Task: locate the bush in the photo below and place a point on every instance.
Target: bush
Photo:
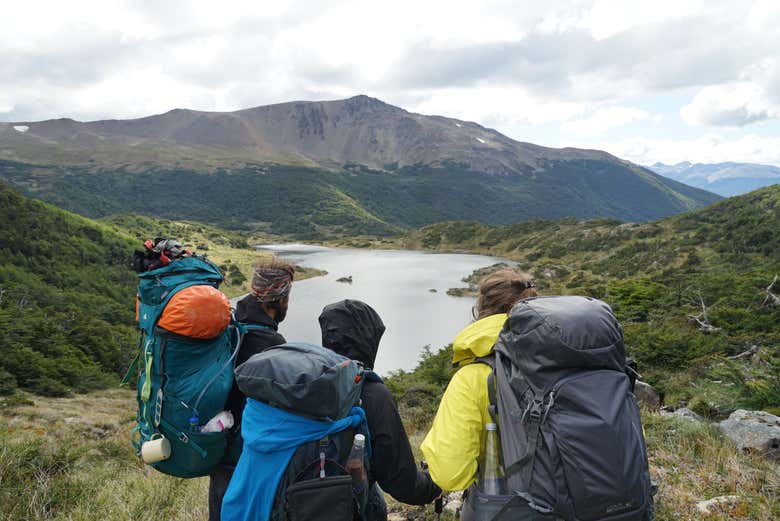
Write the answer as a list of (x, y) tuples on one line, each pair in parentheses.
[(7, 383), (701, 407)]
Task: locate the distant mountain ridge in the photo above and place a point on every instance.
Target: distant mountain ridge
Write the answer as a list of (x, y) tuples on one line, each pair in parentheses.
[(315, 169), (360, 130), (726, 179)]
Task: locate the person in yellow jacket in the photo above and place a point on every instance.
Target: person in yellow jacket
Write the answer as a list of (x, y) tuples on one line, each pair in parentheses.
[(453, 446)]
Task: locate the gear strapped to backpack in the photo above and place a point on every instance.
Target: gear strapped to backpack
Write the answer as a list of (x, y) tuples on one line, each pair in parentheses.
[(186, 354), (298, 429), (569, 426)]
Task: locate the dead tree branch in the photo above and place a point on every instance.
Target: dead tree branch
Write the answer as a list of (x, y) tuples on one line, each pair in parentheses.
[(745, 354), (771, 299), (701, 319)]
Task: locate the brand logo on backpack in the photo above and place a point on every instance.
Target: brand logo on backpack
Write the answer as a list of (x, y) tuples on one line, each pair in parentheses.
[(620, 507)]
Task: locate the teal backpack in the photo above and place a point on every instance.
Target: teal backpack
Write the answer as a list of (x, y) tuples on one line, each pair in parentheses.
[(183, 382)]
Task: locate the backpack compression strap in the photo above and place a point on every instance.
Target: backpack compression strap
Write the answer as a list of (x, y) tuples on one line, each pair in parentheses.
[(534, 413)]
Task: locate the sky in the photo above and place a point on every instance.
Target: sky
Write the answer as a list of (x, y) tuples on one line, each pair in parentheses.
[(667, 80)]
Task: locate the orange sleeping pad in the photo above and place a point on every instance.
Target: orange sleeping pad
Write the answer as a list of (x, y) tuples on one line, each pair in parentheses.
[(196, 312)]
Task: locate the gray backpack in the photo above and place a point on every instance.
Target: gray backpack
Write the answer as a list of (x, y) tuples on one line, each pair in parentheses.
[(569, 426)]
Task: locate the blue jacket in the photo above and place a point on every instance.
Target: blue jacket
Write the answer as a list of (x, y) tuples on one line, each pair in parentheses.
[(270, 439)]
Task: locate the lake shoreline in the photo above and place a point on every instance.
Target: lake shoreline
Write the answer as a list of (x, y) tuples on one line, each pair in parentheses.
[(410, 289)]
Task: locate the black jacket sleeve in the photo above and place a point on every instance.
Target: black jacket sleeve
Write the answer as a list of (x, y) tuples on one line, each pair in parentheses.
[(392, 461)]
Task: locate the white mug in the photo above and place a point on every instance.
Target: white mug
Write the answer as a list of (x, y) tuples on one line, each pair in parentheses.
[(158, 448)]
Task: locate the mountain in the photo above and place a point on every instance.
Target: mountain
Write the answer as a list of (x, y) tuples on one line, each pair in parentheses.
[(726, 179), (65, 285), (360, 130), (315, 169)]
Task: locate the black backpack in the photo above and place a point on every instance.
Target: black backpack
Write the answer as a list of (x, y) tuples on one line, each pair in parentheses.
[(569, 426)]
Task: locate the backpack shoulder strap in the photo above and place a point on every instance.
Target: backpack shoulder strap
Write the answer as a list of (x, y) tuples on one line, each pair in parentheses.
[(490, 361), (246, 327)]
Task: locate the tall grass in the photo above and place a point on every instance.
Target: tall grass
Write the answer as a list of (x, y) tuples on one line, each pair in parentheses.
[(72, 459)]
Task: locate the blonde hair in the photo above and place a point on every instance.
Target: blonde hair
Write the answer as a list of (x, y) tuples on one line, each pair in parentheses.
[(499, 291)]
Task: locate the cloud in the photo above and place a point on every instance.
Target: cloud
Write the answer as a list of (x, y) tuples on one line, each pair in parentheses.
[(574, 69), (604, 119), (709, 148), (756, 97), (496, 106), (231, 54), (733, 105)]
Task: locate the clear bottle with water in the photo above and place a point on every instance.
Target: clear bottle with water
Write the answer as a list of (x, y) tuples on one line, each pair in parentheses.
[(492, 480), (355, 465)]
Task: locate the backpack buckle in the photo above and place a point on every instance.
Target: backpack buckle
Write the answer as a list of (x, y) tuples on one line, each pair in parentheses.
[(323, 447), (533, 411)]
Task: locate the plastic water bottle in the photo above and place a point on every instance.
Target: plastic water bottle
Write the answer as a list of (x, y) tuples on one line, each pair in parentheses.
[(194, 423), (222, 421), (492, 480), (355, 464)]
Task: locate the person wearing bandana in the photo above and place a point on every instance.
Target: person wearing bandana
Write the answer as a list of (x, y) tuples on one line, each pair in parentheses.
[(265, 306)]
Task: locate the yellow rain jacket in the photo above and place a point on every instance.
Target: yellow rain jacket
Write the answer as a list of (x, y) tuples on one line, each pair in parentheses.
[(455, 441)]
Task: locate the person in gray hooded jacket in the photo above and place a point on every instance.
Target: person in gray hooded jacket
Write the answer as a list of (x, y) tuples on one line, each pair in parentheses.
[(353, 329)]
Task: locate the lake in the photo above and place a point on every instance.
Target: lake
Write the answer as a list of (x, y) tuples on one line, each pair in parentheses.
[(396, 283)]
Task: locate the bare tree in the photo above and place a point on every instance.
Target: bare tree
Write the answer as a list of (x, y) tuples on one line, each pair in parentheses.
[(771, 299), (701, 319)]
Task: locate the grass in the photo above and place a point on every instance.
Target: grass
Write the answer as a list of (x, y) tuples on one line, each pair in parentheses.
[(692, 462), (71, 459)]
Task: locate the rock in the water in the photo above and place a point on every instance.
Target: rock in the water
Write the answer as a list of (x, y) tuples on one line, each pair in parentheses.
[(647, 395), (712, 505), (461, 292), (347, 280), (754, 431)]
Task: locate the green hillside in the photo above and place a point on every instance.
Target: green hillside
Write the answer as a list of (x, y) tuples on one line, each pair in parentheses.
[(656, 276), (314, 203), (65, 321)]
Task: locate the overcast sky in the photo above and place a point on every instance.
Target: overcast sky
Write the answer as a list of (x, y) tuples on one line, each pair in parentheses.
[(647, 80)]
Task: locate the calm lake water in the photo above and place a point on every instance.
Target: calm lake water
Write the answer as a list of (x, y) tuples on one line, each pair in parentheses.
[(396, 283)]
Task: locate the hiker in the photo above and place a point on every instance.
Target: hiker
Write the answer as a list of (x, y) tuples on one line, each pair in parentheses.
[(452, 447), (540, 423), (353, 329), (265, 306)]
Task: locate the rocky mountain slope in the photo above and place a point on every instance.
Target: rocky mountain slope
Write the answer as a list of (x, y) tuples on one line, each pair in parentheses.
[(321, 168), (360, 130)]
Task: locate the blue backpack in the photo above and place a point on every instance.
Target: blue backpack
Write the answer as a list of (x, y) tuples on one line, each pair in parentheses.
[(183, 382)]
